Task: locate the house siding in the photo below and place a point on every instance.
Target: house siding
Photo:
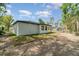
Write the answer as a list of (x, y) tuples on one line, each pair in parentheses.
[(14, 29), (25, 29)]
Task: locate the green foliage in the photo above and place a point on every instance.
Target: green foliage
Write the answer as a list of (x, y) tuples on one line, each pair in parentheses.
[(7, 20), (41, 21), (1, 30), (2, 9), (70, 16)]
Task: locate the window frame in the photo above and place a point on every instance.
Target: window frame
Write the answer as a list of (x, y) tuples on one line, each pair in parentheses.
[(42, 27)]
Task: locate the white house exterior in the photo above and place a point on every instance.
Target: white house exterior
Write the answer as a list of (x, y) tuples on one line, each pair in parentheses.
[(27, 28)]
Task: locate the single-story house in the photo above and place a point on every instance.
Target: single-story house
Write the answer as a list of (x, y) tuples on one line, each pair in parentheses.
[(28, 27)]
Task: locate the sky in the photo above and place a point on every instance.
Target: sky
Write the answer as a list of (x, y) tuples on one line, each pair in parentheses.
[(34, 11)]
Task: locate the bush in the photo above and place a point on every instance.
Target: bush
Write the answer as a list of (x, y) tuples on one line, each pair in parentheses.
[(1, 32), (11, 34)]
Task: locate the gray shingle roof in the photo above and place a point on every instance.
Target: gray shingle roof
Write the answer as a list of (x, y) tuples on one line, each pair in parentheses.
[(30, 22)]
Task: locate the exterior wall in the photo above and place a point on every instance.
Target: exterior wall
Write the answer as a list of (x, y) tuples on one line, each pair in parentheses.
[(14, 29), (25, 29), (45, 31)]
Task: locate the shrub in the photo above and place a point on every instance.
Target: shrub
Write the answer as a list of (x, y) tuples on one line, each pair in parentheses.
[(1, 32), (11, 34)]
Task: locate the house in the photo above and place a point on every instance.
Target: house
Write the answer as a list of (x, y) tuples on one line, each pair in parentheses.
[(28, 27)]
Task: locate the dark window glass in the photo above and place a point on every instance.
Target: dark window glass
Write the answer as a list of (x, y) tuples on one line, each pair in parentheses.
[(42, 27), (45, 27)]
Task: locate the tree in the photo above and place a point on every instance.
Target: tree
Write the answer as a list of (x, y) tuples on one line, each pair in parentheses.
[(70, 16), (41, 21), (7, 20), (2, 12), (2, 8)]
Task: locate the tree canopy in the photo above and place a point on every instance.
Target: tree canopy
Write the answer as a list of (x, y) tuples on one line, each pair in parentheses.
[(41, 21), (70, 16), (2, 11), (5, 20)]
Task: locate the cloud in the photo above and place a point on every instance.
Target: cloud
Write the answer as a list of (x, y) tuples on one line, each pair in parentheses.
[(54, 5), (8, 12), (49, 7), (57, 5), (25, 13), (43, 13), (9, 6)]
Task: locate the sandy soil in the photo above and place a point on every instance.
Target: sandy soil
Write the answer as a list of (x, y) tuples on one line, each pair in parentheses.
[(71, 37), (63, 44)]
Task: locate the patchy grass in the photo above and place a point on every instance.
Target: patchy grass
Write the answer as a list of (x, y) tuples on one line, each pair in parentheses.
[(44, 36), (10, 34), (40, 36), (29, 45), (18, 40), (21, 39)]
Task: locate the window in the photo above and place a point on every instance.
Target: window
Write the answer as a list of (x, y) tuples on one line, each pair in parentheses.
[(48, 28), (42, 27), (45, 27)]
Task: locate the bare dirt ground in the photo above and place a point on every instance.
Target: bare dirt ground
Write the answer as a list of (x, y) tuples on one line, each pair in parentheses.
[(61, 44)]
